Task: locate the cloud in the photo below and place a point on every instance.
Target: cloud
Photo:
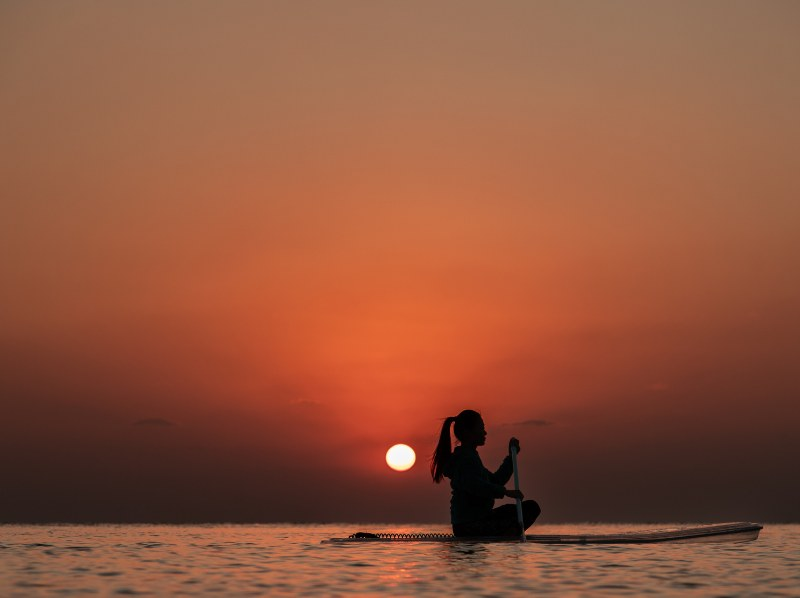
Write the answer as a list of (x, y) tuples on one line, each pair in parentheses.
[(304, 402), (535, 423), (154, 422)]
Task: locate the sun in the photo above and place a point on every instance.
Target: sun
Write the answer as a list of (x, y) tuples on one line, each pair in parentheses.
[(401, 457)]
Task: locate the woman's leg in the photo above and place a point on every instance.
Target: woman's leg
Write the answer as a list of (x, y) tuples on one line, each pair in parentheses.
[(502, 521), (530, 512), (505, 517)]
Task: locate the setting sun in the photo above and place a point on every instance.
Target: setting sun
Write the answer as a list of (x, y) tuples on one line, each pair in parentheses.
[(401, 457)]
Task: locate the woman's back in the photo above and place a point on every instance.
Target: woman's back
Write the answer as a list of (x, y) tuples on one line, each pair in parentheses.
[(474, 488)]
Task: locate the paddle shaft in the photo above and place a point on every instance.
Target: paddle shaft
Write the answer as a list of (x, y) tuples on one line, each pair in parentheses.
[(516, 487)]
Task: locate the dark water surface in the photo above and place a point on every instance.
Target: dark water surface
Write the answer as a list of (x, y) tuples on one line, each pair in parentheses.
[(241, 560)]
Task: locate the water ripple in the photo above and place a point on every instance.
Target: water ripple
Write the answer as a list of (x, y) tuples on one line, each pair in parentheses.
[(284, 559)]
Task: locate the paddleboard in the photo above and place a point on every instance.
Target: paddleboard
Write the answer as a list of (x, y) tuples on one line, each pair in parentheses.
[(719, 532)]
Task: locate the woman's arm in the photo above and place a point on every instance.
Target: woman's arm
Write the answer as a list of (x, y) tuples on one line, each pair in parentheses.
[(506, 469), (503, 473), (473, 478)]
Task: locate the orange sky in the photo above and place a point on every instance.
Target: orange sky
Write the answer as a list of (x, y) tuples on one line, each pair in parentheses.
[(301, 232)]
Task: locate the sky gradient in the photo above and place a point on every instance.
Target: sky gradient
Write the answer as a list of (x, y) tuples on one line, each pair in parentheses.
[(248, 246)]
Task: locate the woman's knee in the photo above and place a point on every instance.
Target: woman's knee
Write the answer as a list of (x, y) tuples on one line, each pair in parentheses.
[(531, 508)]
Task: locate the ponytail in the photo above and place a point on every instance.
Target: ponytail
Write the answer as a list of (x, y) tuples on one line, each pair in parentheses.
[(443, 451), (464, 421)]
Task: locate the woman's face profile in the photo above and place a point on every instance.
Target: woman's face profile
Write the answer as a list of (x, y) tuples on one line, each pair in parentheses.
[(476, 435)]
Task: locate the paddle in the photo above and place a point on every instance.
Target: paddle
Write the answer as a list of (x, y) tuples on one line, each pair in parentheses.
[(516, 487)]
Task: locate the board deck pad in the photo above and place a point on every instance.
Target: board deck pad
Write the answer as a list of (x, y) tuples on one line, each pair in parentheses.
[(718, 532)]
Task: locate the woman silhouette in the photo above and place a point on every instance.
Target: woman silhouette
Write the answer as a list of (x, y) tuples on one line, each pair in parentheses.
[(474, 488)]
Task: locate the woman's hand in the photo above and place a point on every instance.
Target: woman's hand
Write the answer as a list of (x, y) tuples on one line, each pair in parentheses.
[(513, 442), (514, 494)]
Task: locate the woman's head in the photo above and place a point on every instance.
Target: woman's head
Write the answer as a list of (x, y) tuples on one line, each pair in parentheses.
[(468, 428)]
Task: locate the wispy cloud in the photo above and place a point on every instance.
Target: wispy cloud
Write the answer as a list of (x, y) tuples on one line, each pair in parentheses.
[(154, 422), (533, 423), (304, 402)]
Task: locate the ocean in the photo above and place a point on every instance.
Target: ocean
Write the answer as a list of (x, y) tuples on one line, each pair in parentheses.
[(254, 560)]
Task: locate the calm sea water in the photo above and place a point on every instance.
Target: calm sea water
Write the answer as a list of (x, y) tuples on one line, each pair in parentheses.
[(289, 559)]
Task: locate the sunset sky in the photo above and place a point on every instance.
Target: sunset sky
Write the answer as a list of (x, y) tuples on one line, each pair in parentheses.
[(248, 246)]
